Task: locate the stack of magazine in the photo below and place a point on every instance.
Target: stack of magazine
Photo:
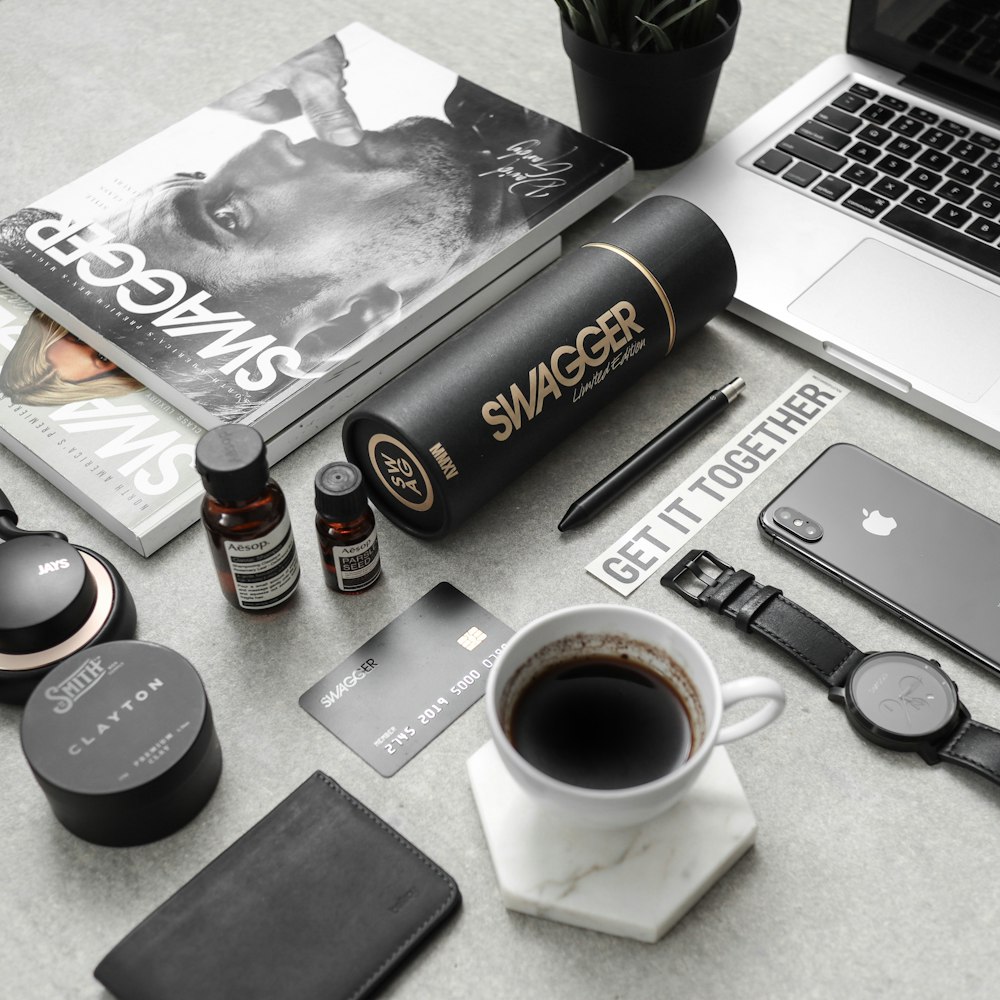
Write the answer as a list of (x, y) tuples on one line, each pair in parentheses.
[(271, 260)]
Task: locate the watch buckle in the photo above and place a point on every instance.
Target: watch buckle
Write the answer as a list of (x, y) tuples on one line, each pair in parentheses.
[(695, 573)]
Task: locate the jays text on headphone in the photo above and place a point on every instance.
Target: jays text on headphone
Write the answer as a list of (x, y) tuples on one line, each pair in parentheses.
[(55, 598)]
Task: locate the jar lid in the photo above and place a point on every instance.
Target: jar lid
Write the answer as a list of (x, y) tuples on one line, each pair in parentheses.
[(340, 492), (232, 462), (121, 740)]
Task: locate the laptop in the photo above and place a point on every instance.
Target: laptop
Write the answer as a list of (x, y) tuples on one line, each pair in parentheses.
[(863, 207)]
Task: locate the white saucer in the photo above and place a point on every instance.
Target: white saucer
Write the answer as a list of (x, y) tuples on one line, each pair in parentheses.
[(635, 883)]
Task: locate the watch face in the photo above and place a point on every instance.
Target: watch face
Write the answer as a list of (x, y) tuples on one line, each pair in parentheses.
[(902, 694)]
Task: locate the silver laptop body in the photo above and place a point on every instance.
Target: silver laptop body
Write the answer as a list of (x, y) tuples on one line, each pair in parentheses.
[(871, 294)]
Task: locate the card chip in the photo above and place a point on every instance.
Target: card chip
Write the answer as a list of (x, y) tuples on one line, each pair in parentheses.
[(472, 638)]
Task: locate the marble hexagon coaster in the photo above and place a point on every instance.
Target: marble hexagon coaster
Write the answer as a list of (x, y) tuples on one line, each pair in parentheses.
[(635, 883)]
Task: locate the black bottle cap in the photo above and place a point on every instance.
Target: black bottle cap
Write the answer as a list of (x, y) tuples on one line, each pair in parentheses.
[(340, 492), (232, 462)]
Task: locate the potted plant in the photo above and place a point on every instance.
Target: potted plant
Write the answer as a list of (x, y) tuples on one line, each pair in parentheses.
[(645, 71)]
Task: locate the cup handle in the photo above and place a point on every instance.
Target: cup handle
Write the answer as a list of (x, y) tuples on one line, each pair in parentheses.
[(743, 689)]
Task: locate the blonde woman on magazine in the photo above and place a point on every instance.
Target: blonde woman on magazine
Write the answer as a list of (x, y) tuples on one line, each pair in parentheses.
[(48, 366)]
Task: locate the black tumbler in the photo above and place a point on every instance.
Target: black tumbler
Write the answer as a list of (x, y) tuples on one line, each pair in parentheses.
[(450, 432)]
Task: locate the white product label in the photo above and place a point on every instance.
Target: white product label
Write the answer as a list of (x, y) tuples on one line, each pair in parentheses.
[(357, 566), (266, 569)]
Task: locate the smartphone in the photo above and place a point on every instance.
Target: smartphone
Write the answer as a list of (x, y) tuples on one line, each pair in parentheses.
[(913, 550)]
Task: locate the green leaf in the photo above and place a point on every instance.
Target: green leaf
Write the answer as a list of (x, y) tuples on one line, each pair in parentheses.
[(660, 38)]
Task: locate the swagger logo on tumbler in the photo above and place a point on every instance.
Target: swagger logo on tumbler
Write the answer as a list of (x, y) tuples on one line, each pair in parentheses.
[(400, 472), (605, 346)]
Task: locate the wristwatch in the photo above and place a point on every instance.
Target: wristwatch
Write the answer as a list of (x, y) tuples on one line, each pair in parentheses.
[(900, 701)]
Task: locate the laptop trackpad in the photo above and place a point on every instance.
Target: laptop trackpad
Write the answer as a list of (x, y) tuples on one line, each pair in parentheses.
[(920, 319)]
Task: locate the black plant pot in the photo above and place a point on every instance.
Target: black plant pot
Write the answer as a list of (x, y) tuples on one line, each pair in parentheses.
[(653, 105)]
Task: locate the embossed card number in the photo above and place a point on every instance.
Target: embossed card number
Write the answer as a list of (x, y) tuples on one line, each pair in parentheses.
[(409, 682)]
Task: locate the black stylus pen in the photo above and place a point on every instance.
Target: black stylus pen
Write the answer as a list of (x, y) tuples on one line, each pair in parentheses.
[(650, 455)]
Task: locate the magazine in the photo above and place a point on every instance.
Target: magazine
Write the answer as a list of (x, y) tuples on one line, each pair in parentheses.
[(126, 456), (254, 258)]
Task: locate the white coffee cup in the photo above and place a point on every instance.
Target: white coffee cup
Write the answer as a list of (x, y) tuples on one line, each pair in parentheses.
[(655, 644)]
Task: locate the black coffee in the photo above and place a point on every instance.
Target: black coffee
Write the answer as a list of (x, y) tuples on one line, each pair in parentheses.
[(601, 722)]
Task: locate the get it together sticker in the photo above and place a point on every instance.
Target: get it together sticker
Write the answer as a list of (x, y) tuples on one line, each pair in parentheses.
[(670, 525)]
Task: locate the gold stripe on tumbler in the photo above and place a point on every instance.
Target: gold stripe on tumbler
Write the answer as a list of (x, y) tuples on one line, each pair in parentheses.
[(651, 278)]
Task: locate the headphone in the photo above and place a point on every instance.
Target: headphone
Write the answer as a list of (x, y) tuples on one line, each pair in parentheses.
[(55, 598)]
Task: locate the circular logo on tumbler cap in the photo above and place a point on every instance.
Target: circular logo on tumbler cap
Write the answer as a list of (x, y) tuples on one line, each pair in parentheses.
[(400, 472)]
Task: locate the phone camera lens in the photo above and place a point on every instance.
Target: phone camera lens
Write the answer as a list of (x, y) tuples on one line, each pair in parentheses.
[(798, 524)]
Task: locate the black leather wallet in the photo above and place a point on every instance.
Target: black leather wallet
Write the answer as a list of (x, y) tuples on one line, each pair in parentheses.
[(321, 900)]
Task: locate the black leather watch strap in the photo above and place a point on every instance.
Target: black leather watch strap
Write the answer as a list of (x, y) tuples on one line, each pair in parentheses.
[(975, 746), (707, 582)]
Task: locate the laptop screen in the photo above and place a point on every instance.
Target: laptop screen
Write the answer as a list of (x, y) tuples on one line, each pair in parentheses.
[(952, 44)]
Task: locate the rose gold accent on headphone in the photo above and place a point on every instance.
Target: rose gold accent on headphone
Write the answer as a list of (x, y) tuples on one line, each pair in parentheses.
[(83, 635), (651, 278)]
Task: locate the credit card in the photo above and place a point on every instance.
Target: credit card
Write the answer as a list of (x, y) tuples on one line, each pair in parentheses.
[(409, 682)]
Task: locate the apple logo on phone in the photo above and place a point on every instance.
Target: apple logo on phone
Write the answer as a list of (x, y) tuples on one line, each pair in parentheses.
[(876, 523)]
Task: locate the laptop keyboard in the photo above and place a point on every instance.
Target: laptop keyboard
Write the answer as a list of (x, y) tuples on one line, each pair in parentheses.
[(901, 166)]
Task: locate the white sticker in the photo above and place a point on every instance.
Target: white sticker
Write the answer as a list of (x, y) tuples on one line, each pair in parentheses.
[(266, 569), (357, 566), (669, 526)]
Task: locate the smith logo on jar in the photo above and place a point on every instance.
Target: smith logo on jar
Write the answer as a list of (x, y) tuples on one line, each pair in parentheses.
[(603, 346)]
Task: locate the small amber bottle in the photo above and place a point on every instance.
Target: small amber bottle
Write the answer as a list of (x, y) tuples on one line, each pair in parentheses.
[(345, 524), (246, 519)]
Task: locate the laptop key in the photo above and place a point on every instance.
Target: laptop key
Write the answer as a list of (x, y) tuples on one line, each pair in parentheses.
[(818, 156), (907, 126), (823, 134), (943, 238), (894, 165), (849, 102), (937, 139), (955, 128), (923, 115), (964, 172), (773, 161), (893, 102), (925, 179), (990, 184), (863, 152), (967, 151), (985, 204), (860, 88), (902, 146), (991, 163), (874, 134), (953, 215), (831, 187), (866, 203), (984, 229), (837, 119), (801, 174), (987, 141), (934, 159), (878, 115), (921, 201), (858, 174), (890, 187), (954, 192)]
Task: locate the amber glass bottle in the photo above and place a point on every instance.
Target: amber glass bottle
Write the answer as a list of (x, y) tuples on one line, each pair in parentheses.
[(345, 524), (246, 519)]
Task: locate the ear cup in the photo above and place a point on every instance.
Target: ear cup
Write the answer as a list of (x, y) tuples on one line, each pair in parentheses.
[(55, 599)]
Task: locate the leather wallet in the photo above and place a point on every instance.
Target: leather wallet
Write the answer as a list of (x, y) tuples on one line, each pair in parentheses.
[(321, 900)]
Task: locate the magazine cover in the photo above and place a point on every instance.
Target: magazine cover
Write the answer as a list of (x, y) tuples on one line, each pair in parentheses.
[(251, 259), (116, 448)]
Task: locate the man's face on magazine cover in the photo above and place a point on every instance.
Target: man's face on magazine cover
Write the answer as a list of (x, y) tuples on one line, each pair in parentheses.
[(310, 228)]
